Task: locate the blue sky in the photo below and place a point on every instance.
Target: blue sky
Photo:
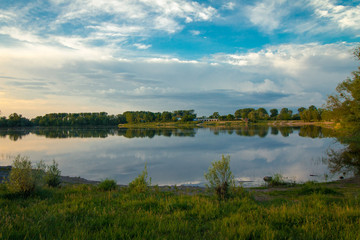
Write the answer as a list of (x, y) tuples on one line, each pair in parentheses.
[(164, 55)]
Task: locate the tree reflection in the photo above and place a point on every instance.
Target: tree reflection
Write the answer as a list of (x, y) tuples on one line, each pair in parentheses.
[(150, 133), (246, 131), (286, 131), (346, 160)]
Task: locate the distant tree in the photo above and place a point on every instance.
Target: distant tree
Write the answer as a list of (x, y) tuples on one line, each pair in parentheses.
[(311, 114), (273, 113), (262, 114), (166, 116), (253, 116), (243, 113), (301, 109), (222, 118), (285, 114), (215, 115), (230, 117)]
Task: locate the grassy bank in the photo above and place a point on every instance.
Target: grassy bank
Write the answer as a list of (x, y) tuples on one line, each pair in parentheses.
[(309, 211)]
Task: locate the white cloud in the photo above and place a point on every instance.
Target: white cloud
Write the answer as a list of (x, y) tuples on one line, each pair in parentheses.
[(267, 14), (7, 15), (195, 32), (160, 15), (142, 46), (169, 60), (292, 59), (262, 87), (20, 34), (143, 90), (343, 16), (229, 6)]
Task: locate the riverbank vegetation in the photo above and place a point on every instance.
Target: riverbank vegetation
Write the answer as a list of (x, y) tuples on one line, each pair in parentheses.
[(308, 211), (141, 211)]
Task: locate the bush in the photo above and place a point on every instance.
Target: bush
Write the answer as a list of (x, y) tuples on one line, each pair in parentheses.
[(21, 178), (52, 175), (24, 179), (220, 178), (107, 185), (277, 180), (141, 183)]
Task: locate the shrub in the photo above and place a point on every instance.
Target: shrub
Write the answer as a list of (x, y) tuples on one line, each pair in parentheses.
[(21, 178), (53, 175), (24, 179), (277, 180), (220, 177), (141, 183), (107, 185)]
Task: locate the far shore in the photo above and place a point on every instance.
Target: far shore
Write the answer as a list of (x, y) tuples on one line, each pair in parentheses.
[(237, 123)]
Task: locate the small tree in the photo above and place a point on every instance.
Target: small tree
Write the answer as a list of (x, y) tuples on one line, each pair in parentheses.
[(141, 183), (21, 178), (220, 177), (52, 175)]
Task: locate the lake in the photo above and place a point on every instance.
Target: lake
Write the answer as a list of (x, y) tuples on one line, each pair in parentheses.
[(177, 156)]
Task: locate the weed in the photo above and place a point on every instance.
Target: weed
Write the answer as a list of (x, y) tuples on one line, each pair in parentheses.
[(107, 185), (141, 183), (52, 175)]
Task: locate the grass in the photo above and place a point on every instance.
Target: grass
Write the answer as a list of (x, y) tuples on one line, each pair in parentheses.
[(308, 211)]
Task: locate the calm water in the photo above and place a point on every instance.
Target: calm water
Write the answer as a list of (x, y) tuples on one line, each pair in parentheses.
[(176, 156)]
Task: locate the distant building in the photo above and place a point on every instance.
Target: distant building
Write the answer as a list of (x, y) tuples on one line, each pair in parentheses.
[(210, 120)]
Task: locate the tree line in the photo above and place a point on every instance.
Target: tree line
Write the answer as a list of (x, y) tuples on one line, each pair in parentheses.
[(97, 118), (135, 117), (311, 114)]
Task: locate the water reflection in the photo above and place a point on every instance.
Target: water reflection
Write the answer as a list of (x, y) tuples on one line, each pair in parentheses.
[(345, 161), (246, 131), (174, 155)]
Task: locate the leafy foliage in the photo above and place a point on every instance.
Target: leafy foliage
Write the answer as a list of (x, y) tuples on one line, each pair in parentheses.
[(24, 178), (52, 175), (345, 105), (21, 178), (107, 185), (277, 180), (220, 177), (141, 183)]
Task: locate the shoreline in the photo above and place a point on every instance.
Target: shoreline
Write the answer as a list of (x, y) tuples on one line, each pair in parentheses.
[(69, 180)]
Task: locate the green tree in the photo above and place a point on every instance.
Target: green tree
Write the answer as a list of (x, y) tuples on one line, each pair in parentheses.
[(345, 104), (230, 117), (273, 113), (253, 116), (285, 114), (166, 116), (220, 177), (215, 115), (262, 114)]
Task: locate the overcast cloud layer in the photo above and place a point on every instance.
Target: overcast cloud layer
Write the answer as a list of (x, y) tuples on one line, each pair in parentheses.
[(157, 55)]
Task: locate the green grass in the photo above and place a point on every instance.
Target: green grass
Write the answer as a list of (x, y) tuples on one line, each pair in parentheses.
[(85, 212)]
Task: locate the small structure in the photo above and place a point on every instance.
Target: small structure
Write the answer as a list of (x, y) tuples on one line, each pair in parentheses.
[(210, 120)]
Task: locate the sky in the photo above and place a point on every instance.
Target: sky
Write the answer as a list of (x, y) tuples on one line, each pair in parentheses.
[(165, 55)]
